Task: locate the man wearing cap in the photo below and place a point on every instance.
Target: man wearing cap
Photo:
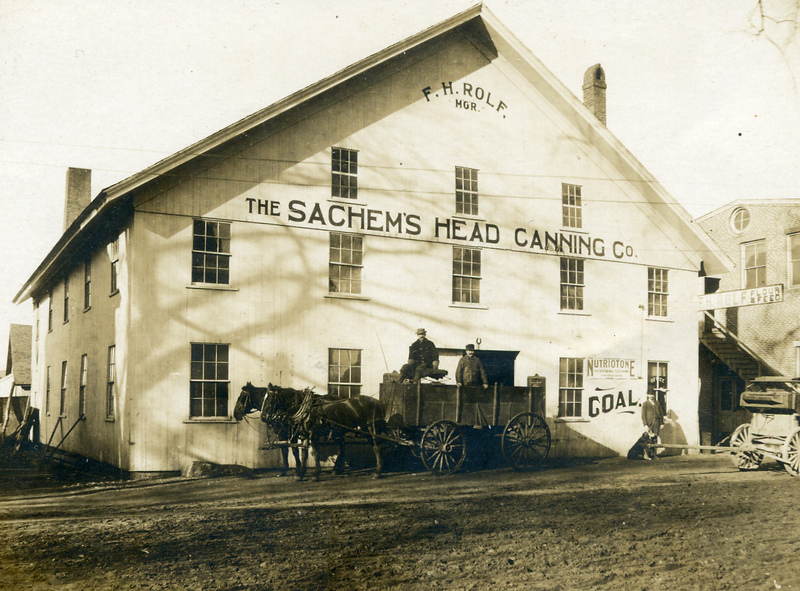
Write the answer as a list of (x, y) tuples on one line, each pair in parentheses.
[(470, 370), (652, 419), (422, 358)]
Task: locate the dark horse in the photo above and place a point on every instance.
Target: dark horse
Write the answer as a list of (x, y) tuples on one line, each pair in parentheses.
[(301, 417)]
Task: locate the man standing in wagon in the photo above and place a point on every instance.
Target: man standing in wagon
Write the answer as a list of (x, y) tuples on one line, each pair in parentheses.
[(470, 370)]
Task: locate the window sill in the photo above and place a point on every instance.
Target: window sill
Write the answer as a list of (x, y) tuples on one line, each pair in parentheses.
[(212, 287), (210, 420), (110, 420), (469, 306), (86, 309), (469, 216), (574, 313), (570, 420), (574, 230), (659, 319), (346, 296), (113, 293), (347, 200)]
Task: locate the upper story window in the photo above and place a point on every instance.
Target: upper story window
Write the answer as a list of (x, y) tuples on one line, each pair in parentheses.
[(82, 388), (571, 206), (66, 299), (466, 190), (466, 275), (87, 284), (754, 264), (209, 381), (47, 391), (657, 291), (570, 387), (111, 380), (344, 173), (344, 372), (62, 407), (794, 259), (50, 311), (113, 251), (346, 258), (740, 219), (211, 252), (572, 283)]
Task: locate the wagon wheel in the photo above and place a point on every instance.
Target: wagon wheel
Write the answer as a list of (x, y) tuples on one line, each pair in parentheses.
[(791, 453), (526, 441), (744, 460), (443, 447)]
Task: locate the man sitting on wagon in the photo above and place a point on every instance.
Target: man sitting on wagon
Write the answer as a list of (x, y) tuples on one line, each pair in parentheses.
[(423, 359)]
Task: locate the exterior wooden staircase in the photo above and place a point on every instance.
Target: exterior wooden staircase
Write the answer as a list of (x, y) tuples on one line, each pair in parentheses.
[(746, 361)]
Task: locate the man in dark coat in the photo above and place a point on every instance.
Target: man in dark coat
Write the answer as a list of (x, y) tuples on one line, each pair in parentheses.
[(652, 419), (422, 358), (470, 370)]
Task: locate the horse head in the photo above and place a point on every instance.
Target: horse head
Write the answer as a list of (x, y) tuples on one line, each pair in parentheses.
[(247, 402)]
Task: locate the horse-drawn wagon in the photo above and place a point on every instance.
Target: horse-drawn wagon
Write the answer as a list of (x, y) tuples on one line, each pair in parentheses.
[(774, 429), (444, 424)]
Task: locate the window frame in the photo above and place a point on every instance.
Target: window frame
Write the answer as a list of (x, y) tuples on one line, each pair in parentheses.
[(761, 279), (47, 391), (465, 279), (793, 269), (87, 284), (658, 374), (50, 311), (466, 191), (572, 284), (344, 173), (82, 385), (223, 238), (571, 372), (345, 388), (740, 219), (571, 206), (62, 406), (111, 380), (113, 254), (199, 366), (657, 292), (342, 272), (66, 299)]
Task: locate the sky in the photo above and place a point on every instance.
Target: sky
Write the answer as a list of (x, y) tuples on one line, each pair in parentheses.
[(707, 105)]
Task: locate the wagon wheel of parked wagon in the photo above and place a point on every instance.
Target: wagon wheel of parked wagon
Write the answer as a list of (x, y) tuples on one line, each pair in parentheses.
[(744, 460), (443, 447), (791, 453), (526, 441)]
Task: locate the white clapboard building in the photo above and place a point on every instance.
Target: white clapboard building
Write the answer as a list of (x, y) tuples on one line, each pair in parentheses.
[(449, 182)]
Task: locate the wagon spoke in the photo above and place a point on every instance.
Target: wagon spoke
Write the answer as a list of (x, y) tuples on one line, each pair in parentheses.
[(443, 448), (526, 441)]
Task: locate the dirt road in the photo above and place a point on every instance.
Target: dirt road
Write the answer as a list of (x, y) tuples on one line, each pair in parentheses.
[(687, 522)]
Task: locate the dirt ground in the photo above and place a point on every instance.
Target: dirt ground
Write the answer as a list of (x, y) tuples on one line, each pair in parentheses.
[(686, 522)]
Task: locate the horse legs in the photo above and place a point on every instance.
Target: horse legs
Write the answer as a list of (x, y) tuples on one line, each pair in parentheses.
[(338, 465), (285, 457), (301, 459), (317, 467)]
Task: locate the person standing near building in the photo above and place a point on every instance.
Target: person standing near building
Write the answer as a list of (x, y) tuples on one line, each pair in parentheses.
[(470, 370), (652, 419), (422, 358)]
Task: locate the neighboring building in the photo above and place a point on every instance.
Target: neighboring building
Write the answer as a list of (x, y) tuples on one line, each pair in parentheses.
[(752, 314), (15, 385), (449, 182)]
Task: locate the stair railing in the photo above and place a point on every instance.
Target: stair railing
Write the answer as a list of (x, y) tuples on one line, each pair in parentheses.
[(759, 356)]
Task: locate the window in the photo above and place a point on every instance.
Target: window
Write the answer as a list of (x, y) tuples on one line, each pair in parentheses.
[(344, 173), (82, 390), (344, 372), (571, 207), (740, 219), (571, 283), (344, 269), (466, 275), (211, 252), (657, 291), (50, 311), (66, 299), (466, 190), (113, 251), (110, 381), (754, 264), (87, 284), (208, 388), (63, 403), (657, 377), (47, 391), (794, 260), (570, 387)]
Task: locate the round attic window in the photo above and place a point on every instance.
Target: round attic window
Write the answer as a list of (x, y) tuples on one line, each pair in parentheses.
[(740, 219)]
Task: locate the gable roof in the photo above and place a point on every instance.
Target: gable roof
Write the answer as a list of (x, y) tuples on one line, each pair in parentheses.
[(481, 24), (748, 203), (18, 361)]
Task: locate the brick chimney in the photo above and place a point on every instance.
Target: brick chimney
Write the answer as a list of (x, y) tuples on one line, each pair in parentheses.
[(594, 91), (79, 194)]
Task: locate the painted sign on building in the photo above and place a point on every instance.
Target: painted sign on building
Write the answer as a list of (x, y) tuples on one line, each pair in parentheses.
[(768, 294), (610, 369)]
